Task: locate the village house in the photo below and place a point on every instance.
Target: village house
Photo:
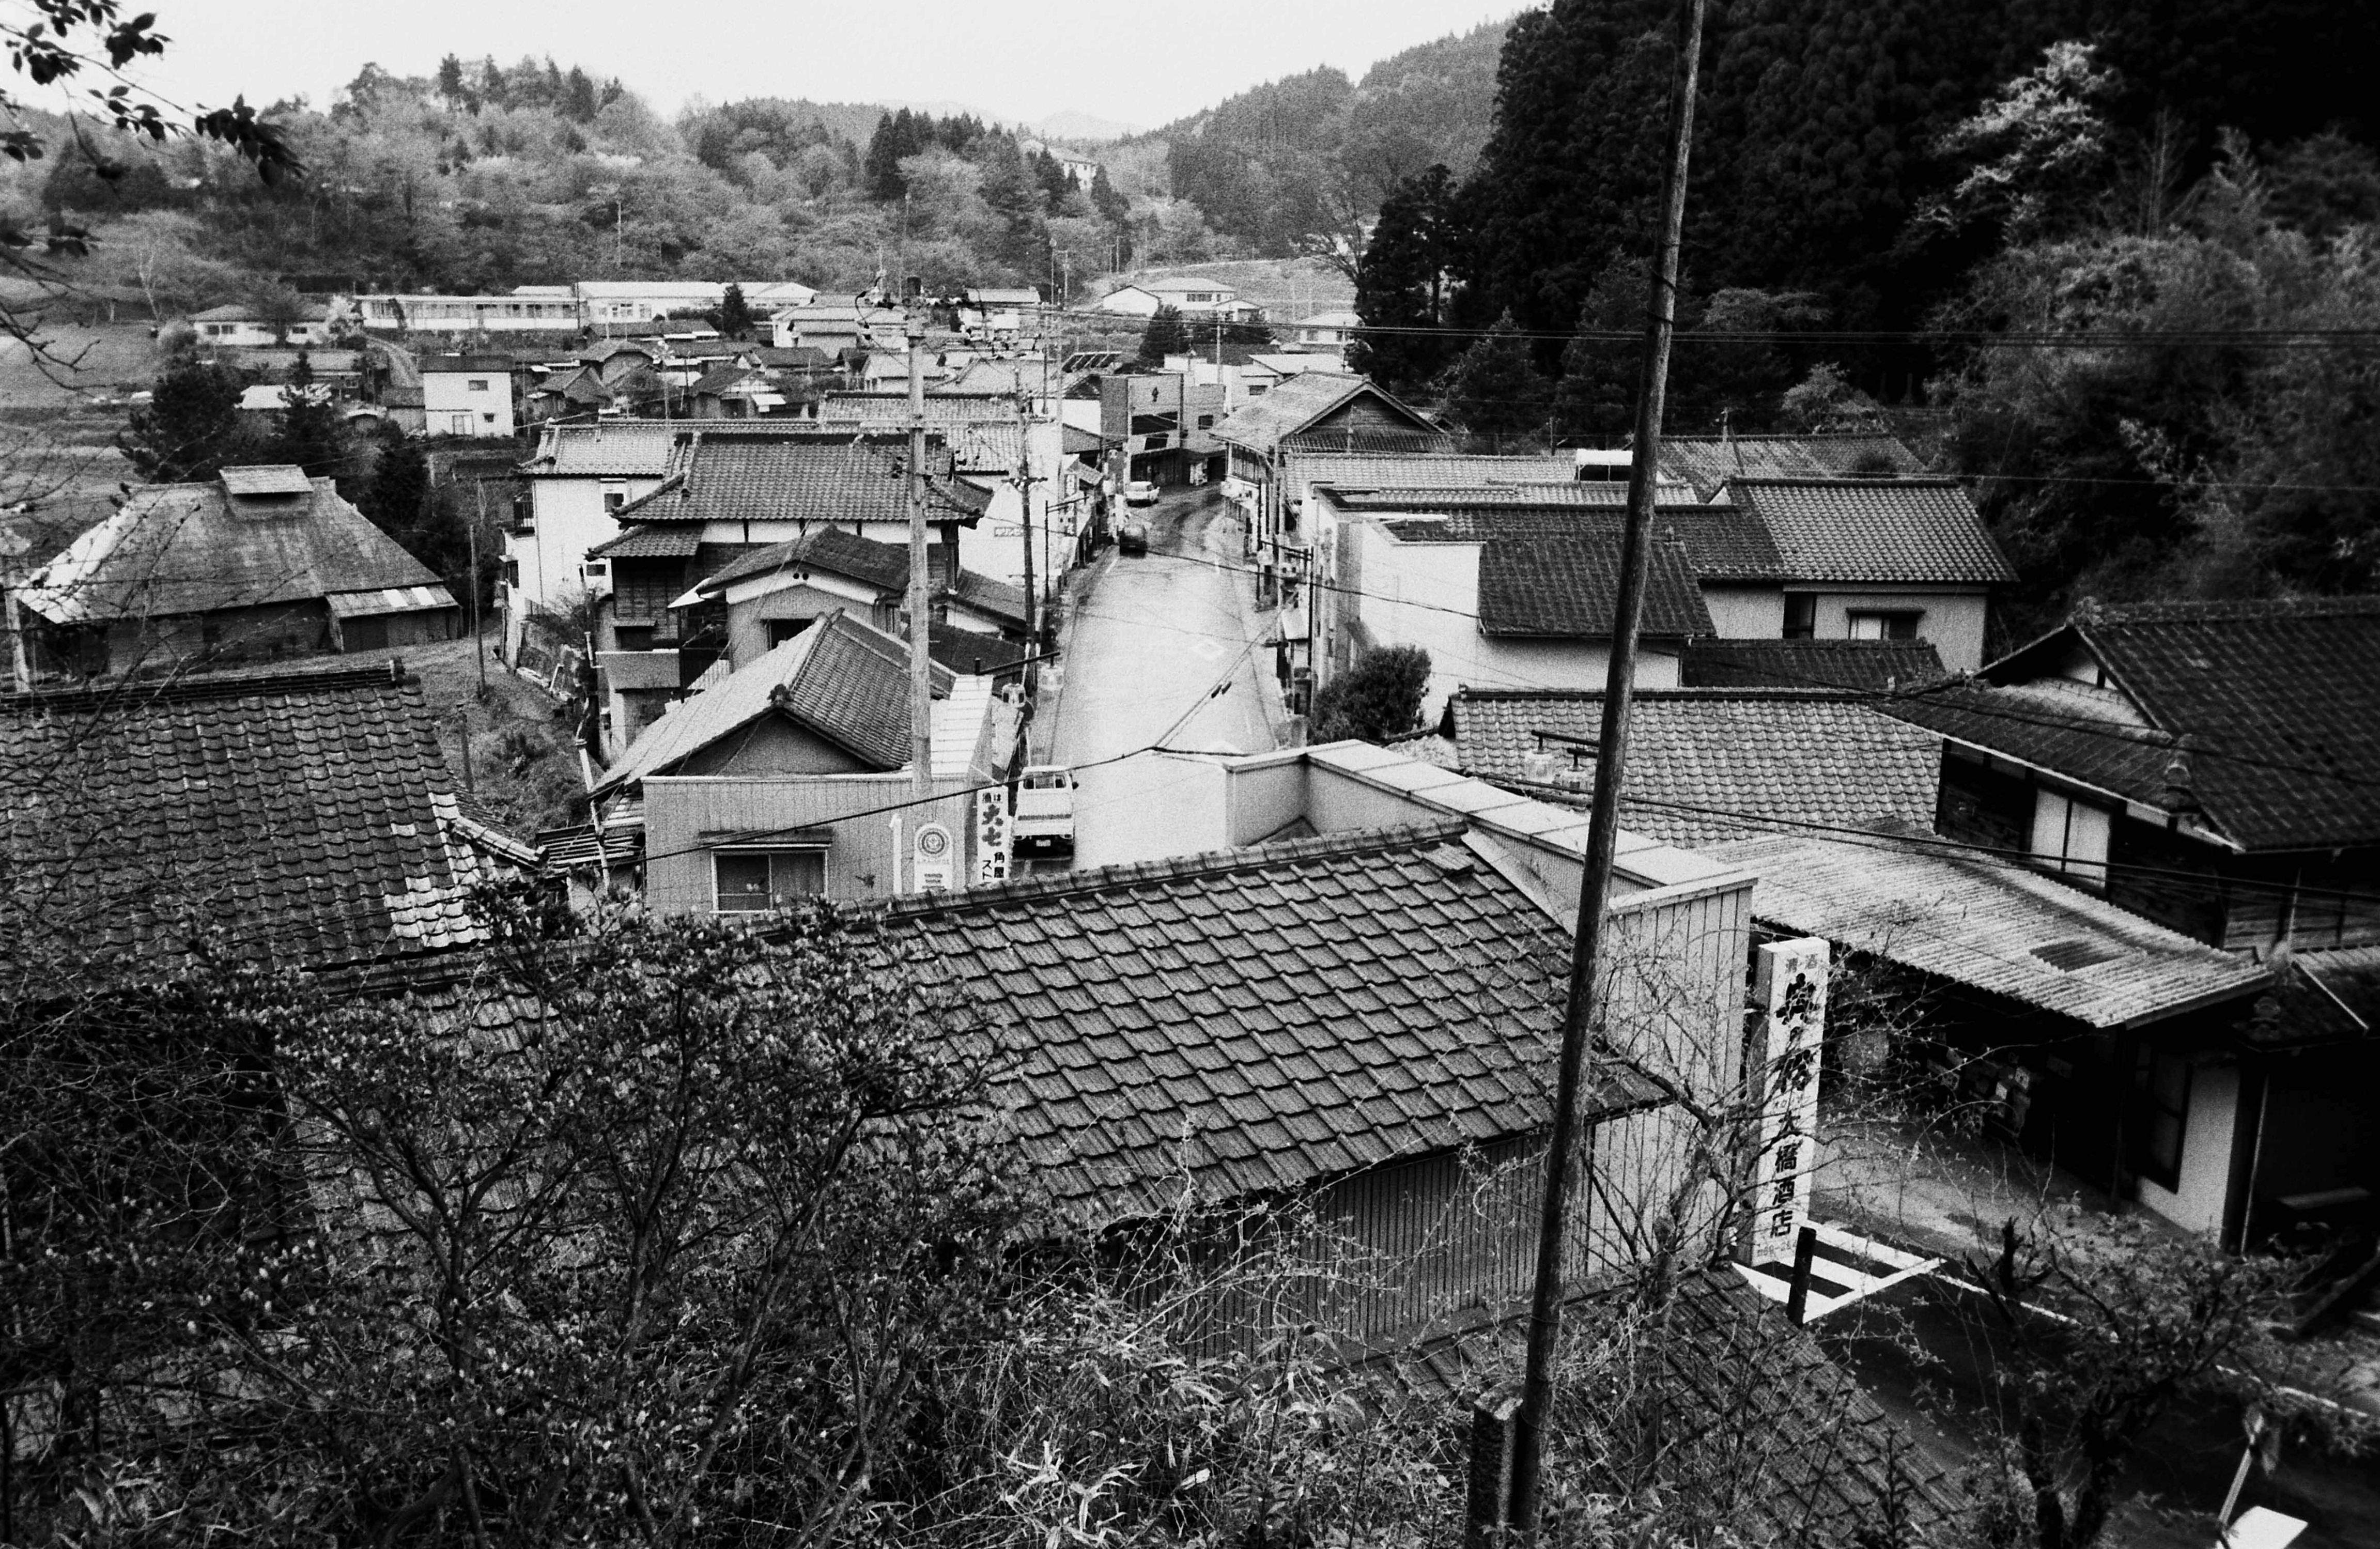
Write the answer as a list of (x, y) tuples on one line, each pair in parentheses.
[(771, 594), (1873, 559), (468, 395), (768, 783), (1011, 454), (259, 564), (1331, 330), (1507, 587), (1312, 411), (577, 479), (727, 488), (1190, 295), (307, 814), (1002, 314), (837, 326), (2201, 763), (1164, 424), (1875, 666), (239, 325)]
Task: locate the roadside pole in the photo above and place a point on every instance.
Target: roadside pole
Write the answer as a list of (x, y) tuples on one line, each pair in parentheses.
[(1025, 483), (1611, 763), (921, 692), (478, 637)]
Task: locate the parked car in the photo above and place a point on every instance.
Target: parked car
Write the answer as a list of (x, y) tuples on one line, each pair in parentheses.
[(1132, 538), (1140, 492), (1044, 823)]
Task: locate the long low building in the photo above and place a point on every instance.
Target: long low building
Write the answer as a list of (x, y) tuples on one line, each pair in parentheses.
[(565, 308)]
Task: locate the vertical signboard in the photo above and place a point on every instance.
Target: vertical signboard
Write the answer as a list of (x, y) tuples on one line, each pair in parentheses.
[(1790, 990), (994, 843), (937, 860)]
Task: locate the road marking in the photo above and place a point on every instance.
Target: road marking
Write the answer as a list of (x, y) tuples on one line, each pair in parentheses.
[(1207, 651)]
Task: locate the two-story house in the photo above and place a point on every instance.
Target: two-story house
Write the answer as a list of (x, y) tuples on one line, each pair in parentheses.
[(468, 395), (729, 488), (578, 479), (1313, 411)]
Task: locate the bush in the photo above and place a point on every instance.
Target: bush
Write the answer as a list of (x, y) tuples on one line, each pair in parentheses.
[(1377, 698)]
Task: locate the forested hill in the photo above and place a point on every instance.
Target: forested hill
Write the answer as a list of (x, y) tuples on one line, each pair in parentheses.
[(1315, 153), (1881, 190)]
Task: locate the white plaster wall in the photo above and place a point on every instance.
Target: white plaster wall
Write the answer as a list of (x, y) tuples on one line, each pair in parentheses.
[(446, 393), (1953, 620), (2196, 1203), (1746, 612), (570, 519)]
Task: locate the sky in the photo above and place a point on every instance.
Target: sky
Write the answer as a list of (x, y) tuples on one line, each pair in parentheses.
[(1141, 65)]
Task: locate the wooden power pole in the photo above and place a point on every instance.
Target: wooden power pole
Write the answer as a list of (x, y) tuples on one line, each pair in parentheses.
[(921, 681), (1611, 763)]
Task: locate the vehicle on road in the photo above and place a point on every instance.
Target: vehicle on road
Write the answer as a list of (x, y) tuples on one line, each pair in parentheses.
[(1140, 492), (1132, 538), (1043, 822)]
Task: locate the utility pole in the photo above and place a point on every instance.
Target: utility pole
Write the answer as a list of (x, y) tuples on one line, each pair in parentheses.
[(1025, 483), (921, 683), (478, 637), (1611, 765)]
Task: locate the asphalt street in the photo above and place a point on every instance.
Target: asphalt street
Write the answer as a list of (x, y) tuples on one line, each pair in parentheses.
[(1163, 648)]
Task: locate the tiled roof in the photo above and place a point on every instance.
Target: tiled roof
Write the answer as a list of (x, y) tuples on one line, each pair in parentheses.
[(882, 565), (1876, 665), (1875, 529), (981, 433), (1298, 402), (1257, 1020), (455, 365), (839, 678), (995, 598), (622, 448), (2280, 701), (309, 814), (1991, 925), (1719, 542), (176, 548), (1695, 756), (660, 541), (1706, 462), (1568, 587), (806, 474)]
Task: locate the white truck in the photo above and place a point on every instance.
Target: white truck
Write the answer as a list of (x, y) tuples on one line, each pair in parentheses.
[(1044, 823)]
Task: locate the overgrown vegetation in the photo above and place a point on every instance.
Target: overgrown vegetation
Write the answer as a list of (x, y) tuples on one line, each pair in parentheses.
[(1377, 698)]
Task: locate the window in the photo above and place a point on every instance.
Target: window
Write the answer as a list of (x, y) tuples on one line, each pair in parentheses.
[(459, 424), (1895, 626), (512, 574), (596, 571), (634, 638), (1800, 617), (615, 495), (1256, 389), (1205, 422), (2161, 1080), (2070, 838), (753, 881), (782, 630)]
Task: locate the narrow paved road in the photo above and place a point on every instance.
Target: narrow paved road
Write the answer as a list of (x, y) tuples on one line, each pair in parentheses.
[(1165, 648)]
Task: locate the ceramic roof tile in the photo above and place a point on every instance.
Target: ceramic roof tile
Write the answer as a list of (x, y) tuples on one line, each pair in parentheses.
[(1694, 756), (1875, 665), (2279, 700), (308, 814), (1708, 461), (1912, 530), (1254, 1082), (811, 474), (1568, 587)]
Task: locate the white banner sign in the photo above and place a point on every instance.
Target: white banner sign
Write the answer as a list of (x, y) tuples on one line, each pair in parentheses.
[(1790, 986), (994, 841)]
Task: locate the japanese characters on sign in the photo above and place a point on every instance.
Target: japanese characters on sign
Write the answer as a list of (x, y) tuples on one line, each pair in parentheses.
[(1789, 988), (994, 844)]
